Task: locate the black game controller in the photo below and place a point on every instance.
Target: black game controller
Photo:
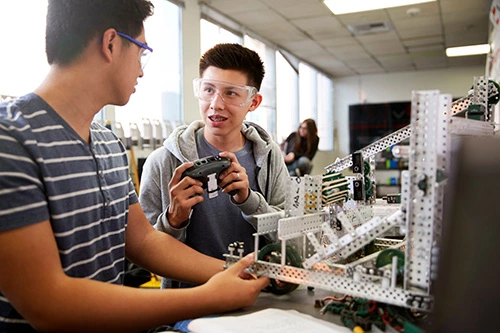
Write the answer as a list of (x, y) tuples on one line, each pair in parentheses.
[(207, 170)]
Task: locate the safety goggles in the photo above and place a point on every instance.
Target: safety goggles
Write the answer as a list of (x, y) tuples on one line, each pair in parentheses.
[(144, 52), (232, 94)]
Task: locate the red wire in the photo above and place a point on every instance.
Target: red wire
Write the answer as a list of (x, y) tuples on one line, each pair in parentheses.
[(387, 322), (374, 306), (334, 298), (384, 318)]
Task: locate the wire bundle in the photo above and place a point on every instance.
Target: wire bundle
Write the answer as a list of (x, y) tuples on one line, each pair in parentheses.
[(359, 314)]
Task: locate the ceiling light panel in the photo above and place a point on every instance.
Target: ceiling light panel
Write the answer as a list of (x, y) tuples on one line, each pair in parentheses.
[(339, 7), (467, 50)]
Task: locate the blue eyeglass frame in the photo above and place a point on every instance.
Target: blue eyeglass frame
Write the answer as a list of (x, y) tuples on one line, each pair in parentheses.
[(135, 41)]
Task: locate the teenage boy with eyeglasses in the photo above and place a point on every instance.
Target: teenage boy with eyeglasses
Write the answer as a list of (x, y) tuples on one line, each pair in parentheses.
[(68, 210), (227, 89)]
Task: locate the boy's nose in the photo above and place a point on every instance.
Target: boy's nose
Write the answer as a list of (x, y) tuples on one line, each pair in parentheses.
[(217, 100)]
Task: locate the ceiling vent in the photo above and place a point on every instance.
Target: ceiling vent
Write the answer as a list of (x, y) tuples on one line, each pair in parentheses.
[(370, 28)]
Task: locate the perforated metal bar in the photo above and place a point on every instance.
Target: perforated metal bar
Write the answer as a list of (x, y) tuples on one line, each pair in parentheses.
[(339, 284), (363, 211), (294, 197), (372, 149), (424, 198), (456, 107), (405, 197), (383, 243), (312, 196), (443, 148), (328, 233), (318, 248), (479, 94), (292, 227), (353, 241), (464, 126), (268, 222), (366, 233), (346, 223)]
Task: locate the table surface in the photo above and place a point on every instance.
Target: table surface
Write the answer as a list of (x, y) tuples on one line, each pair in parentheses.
[(300, 299)]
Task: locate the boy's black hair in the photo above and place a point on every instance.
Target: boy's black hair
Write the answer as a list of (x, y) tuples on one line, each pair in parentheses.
[(71, 24), (234, 57)]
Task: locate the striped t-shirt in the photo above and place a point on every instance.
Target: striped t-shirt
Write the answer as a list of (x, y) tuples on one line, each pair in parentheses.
[(47, 172)]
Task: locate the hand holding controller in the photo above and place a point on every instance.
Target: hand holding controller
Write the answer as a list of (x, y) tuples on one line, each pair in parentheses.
[(207, 170)]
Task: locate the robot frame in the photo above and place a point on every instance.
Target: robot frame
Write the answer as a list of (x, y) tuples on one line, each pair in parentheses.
[(331, 220)]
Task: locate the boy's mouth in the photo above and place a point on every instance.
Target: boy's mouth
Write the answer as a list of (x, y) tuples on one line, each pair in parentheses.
[(217, 118)]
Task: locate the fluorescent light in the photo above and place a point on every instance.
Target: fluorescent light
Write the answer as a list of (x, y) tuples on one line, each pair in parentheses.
[(353, 6), (467, 50)]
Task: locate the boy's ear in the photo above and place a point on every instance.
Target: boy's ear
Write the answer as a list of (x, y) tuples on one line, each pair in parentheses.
[(256, 100), (108, 39)]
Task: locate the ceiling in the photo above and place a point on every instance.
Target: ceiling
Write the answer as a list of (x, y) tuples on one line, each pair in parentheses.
[(308, 30)]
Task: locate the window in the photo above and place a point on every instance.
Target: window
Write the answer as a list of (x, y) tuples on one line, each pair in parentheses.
[(158, 94), (23, 62), (211, 34), (287, 98), (325, 112), (308, 95), (265, 114), (307, 92), (158, 91)]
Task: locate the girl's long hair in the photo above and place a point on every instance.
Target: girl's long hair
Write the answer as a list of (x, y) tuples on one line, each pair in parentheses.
[(311, 138)]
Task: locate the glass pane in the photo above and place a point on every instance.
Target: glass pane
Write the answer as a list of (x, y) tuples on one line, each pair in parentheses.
[(265, 114), (325, 112), (287, 98), (307, 92), (158, 94), (23, 46), (211, 34)]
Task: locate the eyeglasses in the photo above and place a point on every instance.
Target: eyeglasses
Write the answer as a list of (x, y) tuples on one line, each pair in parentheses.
[(145, 51), (232, 94)]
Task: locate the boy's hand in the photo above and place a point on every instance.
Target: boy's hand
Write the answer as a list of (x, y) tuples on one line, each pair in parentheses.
[(183, 195), (234, 287), (234, 178)]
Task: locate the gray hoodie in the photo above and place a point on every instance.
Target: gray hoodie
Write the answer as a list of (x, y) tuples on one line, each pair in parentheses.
[(181, 147)]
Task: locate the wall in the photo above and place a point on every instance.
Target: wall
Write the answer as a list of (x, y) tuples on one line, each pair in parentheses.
[(391, 87), (191, 16)]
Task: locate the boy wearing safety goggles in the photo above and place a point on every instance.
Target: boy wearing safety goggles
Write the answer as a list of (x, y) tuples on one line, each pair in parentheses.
[(227, 89)]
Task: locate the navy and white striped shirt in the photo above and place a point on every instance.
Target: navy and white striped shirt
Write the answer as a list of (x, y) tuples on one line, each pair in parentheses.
[(47, 172)]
